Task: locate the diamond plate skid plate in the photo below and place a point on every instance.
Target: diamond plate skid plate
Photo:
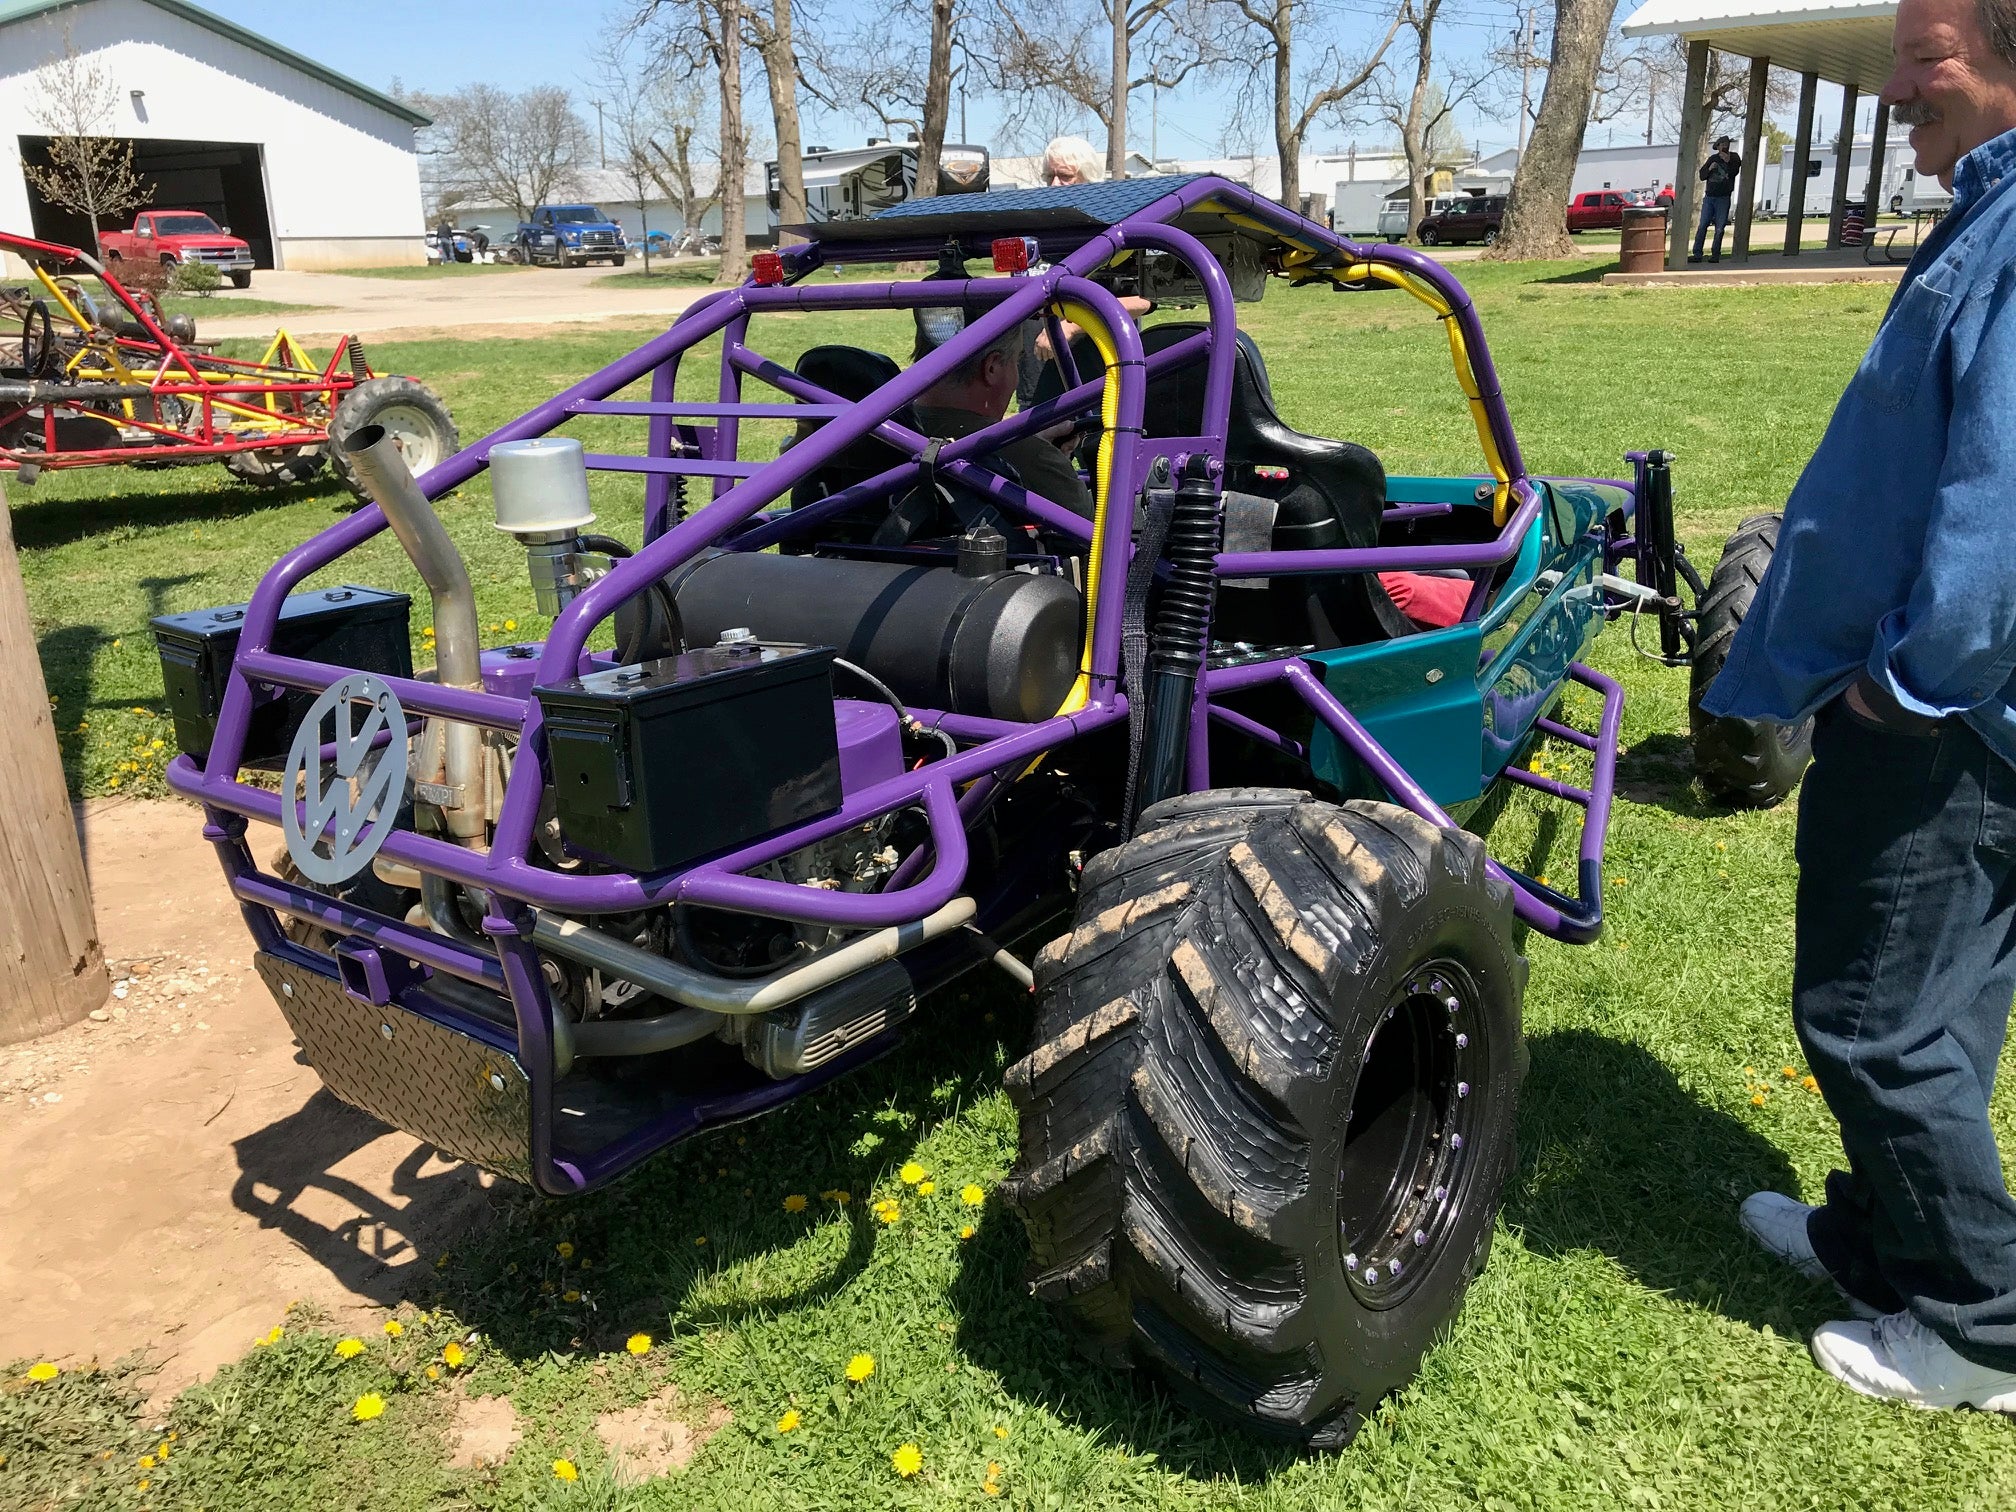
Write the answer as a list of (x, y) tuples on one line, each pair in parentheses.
[(464, 1097)]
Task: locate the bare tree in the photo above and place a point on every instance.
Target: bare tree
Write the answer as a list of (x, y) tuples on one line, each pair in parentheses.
[(1295, 99), (769, 30), (905, 84), (734, 164), (1536, 214), (491, 147), (1422, 108), (1084, 56), (700, 41), (89, 173)]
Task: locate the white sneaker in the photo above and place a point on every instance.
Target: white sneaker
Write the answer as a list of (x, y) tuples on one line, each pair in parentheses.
[(1899, 1359), (1778, 1224)]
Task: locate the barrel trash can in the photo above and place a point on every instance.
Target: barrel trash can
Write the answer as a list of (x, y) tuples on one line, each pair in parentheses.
[(1854, 223), (1644, 249)]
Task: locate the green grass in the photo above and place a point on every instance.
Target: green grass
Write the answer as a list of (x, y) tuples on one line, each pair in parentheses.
[(217, 309), (1626, 1346), (434, 270)]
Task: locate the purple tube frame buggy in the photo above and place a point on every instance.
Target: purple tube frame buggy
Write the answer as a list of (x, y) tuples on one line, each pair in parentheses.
[(389, 960)]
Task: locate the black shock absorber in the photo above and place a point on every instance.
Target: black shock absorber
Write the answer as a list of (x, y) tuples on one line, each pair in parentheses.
[(1659, 550), (1182, 629)]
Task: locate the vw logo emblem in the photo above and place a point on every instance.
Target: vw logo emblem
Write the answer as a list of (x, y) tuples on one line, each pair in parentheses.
[(350, 802)]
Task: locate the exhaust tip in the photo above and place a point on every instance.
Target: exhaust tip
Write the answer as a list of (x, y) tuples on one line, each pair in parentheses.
[(363, 440)]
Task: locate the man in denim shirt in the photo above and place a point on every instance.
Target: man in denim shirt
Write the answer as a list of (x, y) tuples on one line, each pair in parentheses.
[(1890, 610)]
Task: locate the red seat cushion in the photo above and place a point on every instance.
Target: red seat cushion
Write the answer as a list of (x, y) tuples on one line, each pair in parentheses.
[(1431, 602)]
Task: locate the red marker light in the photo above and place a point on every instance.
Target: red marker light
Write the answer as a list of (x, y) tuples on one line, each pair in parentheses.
[(767, 267), (1015, 254)]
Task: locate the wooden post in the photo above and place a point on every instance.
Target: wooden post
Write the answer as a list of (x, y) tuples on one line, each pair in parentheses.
[(1879, 145), (52, 968), (1693, 126), (1753, 135), (1802, 152), (1844, 153)]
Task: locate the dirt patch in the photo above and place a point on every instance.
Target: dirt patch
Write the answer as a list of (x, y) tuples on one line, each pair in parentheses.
[(657, 1436), (219, 1181), (484, 1432)]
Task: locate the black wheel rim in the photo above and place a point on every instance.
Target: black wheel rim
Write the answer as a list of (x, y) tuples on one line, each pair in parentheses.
[(1409, 1137)]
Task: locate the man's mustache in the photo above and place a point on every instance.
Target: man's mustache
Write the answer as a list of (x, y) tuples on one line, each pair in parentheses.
[(1913, 113)]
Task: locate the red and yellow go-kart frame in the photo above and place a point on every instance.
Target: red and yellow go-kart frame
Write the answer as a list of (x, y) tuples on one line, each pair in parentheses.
[(169, 401)]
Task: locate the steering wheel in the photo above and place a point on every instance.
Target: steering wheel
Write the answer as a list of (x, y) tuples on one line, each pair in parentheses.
[(38, 352)]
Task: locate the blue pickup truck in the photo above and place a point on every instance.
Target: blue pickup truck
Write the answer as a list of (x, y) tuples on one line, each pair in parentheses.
[(566, 236)]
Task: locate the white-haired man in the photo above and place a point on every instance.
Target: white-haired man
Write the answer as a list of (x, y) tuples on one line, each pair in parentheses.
[(1890, 611)]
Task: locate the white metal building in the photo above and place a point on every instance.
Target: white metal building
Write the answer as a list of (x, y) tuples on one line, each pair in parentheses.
[(313, 169)]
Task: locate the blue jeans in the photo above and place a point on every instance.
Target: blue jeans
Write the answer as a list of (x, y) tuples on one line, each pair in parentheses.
[(1714, 212), (1904, 969)]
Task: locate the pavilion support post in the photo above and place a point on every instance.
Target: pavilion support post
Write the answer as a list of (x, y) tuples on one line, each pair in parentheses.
[(1802, 154), (1693, 126), (52, 968), (1753, 134), (1844, 153), (1879, 148)]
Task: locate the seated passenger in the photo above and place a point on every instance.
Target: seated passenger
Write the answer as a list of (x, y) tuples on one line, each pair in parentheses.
[(975, 395)]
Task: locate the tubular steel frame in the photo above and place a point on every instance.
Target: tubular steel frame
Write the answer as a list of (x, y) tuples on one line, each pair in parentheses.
[(736, 517)]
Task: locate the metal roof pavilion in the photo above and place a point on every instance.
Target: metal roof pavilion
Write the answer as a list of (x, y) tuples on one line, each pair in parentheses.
[(1844, 43)]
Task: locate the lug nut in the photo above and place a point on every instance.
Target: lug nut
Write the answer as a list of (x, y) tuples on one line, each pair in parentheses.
[(1371, 1275), (1441, 1194), (1420, 1238), (1350, 1262), (1393, 1267), (1452, 1003), (1455, 1141), (1462, 1089)]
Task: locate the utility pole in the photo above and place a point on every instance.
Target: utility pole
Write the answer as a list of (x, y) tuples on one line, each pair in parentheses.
[(601, 142), (1525, 73)]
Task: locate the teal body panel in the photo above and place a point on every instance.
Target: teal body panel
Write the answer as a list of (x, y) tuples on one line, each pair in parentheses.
[(1454, 707)]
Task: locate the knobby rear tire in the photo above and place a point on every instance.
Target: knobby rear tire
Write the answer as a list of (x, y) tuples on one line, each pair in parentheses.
[(1246, 1070), (1747, 763)]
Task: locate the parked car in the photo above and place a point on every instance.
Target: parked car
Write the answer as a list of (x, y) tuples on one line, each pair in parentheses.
[(1597, 210), (1393, 214), (567, 236), (175, 237), (1470, 218)]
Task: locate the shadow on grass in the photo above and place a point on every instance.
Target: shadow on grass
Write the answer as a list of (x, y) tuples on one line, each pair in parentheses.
[(1580, 275), (1616, 1156), (50, 522)]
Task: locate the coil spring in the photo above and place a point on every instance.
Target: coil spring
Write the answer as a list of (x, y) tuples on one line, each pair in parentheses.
[(1188, 596)]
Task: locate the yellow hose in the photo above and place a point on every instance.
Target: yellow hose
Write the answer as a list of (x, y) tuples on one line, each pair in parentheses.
[(1109, 418)]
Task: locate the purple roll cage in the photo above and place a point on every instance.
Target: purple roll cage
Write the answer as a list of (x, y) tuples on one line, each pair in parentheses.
[(737, 516)]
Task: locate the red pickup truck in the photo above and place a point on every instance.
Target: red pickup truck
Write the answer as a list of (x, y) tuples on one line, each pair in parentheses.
[(181, 236), (1597, 210)]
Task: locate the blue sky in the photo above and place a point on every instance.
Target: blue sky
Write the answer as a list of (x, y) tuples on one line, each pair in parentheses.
[(441, 44)]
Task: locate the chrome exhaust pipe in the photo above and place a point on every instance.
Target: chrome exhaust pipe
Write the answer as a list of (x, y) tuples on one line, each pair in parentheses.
[(451, 750)]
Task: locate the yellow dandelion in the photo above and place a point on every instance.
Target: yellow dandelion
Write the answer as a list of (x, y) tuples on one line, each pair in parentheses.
[(452, 1355), (1721, 845), (926, 1188), (795, 1203), (1788, 1073), (161, 1450), (349, 1349), (908, 1460), (586, 1263), (789, 1421), (547, 1288), (860, 1368), (143, 1485), (113, 783), (1541, 879), (273, 1334), (394, 1328), (367, 1407), (701, 1240), (638, 1344), (570, 1295), (564, 1250), (1000, 1431), (146, 1462), (441, 1262), (494, 628), (837, 1195), (912, 1173), (1757, 1100), (1810, 1083), (155, 745), (968, 1231), (972, 1195), (1749, 1070), (991, 1488), (1620, 881), (42, 1371), (993, 1469), (564, 1470), (891, 1214), (433, 1372), (510, 624), (426, 629)]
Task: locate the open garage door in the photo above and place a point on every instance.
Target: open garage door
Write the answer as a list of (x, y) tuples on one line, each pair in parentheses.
[(224, 180)]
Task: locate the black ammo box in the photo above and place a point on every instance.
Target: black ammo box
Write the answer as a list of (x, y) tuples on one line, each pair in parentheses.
[(658, 764), (357, 628)]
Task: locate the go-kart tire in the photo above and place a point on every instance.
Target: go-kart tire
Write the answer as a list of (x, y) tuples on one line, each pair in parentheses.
[(277, 467), (241, 280), (1748, 763), (1247, 1071), (406, 407)]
